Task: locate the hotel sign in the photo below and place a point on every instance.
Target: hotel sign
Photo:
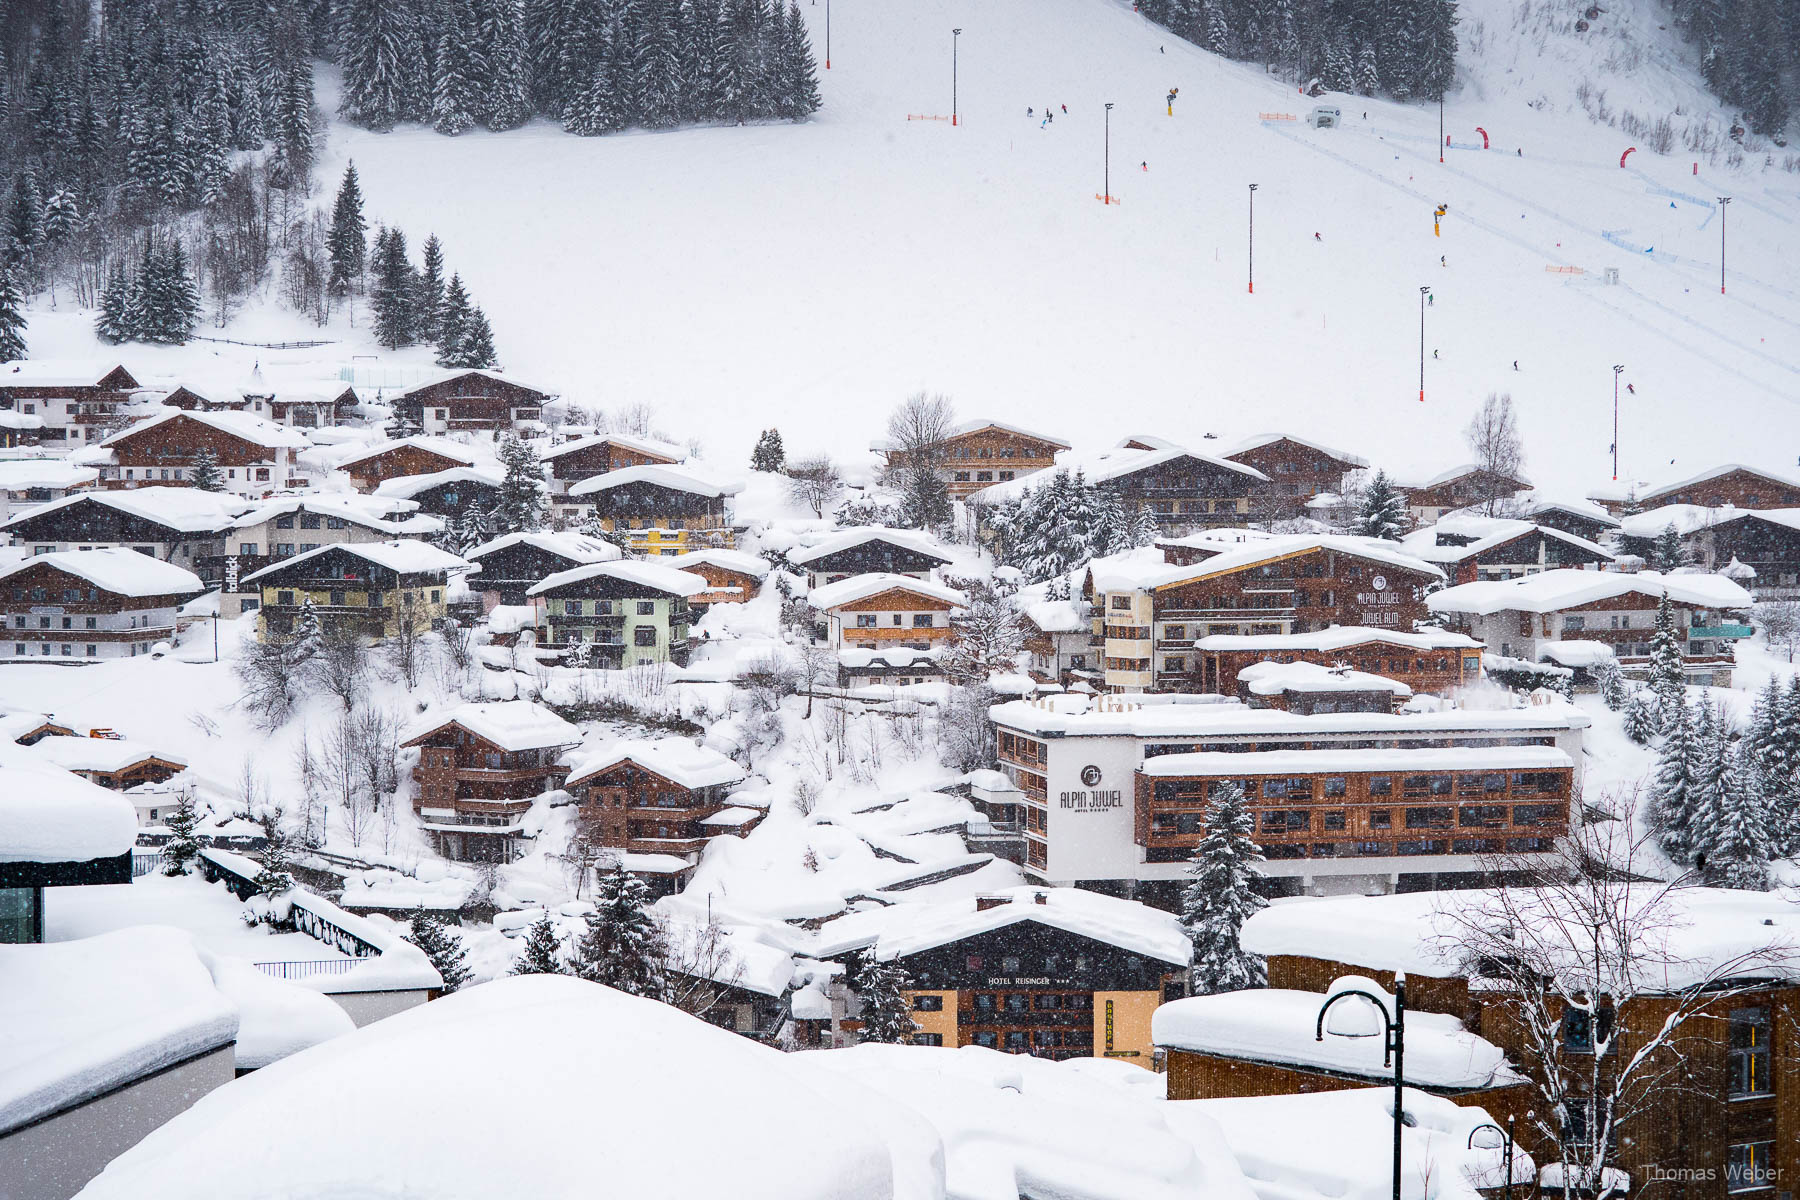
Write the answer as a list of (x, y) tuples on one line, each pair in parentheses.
[(1091, 798)]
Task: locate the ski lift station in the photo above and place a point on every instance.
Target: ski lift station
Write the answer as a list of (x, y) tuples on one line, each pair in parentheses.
[(1325, 116)]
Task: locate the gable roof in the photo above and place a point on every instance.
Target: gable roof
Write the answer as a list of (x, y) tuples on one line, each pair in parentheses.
[(105, 755), (1455, 473), (1618, 494), (400, 557), (882, 445), (1552, 591), (1258, 441), (660, 449), (1108, 466), (508, 724), (1575, 508), (385, 514), (566, 544), (861, 587), (50, 815), (740, 561), (677, 760), (16, 475), (119, 571), (59, 372), (183, 509), (463, 372), (643, 574), (1337, 637), (681, 479), (846, 539), (244, 426), (1114, 575), (438, 446), (406, 487), (1274, 679), (1488, 533)]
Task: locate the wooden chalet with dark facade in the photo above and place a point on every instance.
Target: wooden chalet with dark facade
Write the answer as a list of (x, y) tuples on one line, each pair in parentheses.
[(1584, 520), (1468, 548), (448, 493), (113, 764), (1182, 489), (1056, 973), (1297, 468), (90, 605), (472, 400), (370, 466), (1432, 662), (878, 612), (370, 589), (256, 457), (662, 797), (1309, 689), (480, 768), (587, 457), (1766, 541), (75, 401), (732, 576), (867, 550), (514, 563), (977, 454), (1459, 487), (658, 509), (1731, 484), (179, 525)]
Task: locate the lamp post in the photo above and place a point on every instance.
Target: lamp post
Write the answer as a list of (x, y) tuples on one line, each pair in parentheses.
[(828, 35), (955, 37), (1617, 367), (1440, 129), (1393, 1050), (1253, 239), (1106, 159), (1507, 1142), (1723, 201), (1423, 293)]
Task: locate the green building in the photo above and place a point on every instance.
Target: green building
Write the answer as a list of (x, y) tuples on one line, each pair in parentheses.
[(631, 612)]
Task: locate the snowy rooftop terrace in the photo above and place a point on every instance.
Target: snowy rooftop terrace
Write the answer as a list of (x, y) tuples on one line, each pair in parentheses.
[(1553, 591), (1149, 716), (1273, 679)]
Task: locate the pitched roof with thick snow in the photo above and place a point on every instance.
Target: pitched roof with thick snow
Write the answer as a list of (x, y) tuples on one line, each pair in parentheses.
[(1258, 441), (1274, 679), (1552, 591), (740, 561), (105, 755), (49, 815), (388, 514), (1455, 473), (1059, 616), (1108, 466), (1486, 533), (184, 509), (446, 375), (119, 571), (1535, 504), (846, 539), (861, 587), (967, 427), (1338, 637), (511, 725), (401, 557), (677, 760), (680, 479), (245, 426), (448, 449), (1619, 494), (19, 474), (1110, 576), (57, 372), (567, 543), (405, 487), (643, 574), (652, 446), (906, 929)]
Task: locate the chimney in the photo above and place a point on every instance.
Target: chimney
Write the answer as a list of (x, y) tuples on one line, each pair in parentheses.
[(1040, 898), (983, 903)]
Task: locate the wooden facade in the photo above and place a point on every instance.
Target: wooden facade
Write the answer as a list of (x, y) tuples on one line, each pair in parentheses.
[(164, 454), (391, 462), (1470, 486), (1739, 487), (1425, 670), (77, 413), (636, 810), (895, 617), (472, 794), (1767, 544), (1188, 492), (588, 457), (1523, 554), (471, 400), (349, 593), (454, 496), (659, 520), (90, 522), (724, 585), (983, 453), (876, 555), (1193, 1075), (1296, 470), (511, 571), (53, 615)]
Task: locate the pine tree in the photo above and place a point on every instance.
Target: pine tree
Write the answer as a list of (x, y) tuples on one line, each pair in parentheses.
[(768, 454), (520, 506), (1641, 723), (878, 986), (1382, 511), (625, 946), (428, 296), (475, 348), (345, 243), (1222, 896), (205, 473), (1666, 552), (542, 953), (1668, 675), (1368, 75), (597, 106), (309, 635), (443, 947), (1740, 845), (273, 879), (1672, 798), (12, 318), (113, 324), (394, 290), (1339, 74), (458, 67), (183, 847), (379, 62), (800, 94), (453, 323), (505, 99), (1609, 681)]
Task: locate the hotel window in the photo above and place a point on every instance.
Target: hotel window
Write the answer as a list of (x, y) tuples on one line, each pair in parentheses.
[(1334, 822), (921, 620), (1747, 1058), (927, 1039), (284, 597), (1750, 1166), (1015, 1039), (1334, 785), (645, 608), (928, 1004), (1429, 818), (1381, 785), (1381, 818), (865, 620), (988, 1038)]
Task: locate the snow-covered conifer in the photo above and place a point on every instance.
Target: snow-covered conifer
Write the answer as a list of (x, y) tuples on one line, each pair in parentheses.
[(442, 946), (542, 953), (205, 473), (1221, 896), (625, 946), (183, 847)]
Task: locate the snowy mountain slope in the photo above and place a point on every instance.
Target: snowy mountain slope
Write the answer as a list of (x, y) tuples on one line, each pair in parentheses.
[(812, 275)]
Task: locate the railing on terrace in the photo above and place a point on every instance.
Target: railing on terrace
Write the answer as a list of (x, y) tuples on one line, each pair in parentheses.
[(307, 968)]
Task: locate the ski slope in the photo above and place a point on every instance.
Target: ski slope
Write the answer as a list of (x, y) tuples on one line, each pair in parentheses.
[(809, 276)]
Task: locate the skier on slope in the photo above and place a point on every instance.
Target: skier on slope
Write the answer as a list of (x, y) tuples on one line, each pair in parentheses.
[(1630, 388), (1317, 238)]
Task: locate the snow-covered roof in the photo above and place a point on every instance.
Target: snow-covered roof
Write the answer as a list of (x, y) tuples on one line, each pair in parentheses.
[(448, 374), (1279, 1025), (1535, 504), (741, 561), (509, 724), (19, 474), (1454, 473), (388, 514), (117, 570), (1107, 466), (976, 426), (846, 539), (401, 557), (1686, 518), (1687, 933), (732, 818), (1486, 534), (248, 427), (1337, 637), (1553, 591), (1298, 762), (1622, 494), (678, 760), (56, 372), (301, 1130), (1272, 679), (1194, 716), (567, 543), (185, 509), (448, 449), (83, 1018), (861, 587), (633, 571), (1575, 653), (1258, 441), (906, 929), (1117, 574), (856, 658), (1059, 616), (651, 446), (9, 419), (680, 479), (48, 815), (104, 755), (405, 487)]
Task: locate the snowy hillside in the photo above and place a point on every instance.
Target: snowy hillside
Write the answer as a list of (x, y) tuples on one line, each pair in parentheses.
[(811, 275)]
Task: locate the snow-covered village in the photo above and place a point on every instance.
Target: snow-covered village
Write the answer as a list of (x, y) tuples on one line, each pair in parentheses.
[(949, 600)]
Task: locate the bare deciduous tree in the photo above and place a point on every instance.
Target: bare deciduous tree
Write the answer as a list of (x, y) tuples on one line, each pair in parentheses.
[(341, 666), (402, 651), (701, 969), (1780, 621), (1493, 434), (917, 431), (268, 683), (814, 482), (340, 763), (990, 634)]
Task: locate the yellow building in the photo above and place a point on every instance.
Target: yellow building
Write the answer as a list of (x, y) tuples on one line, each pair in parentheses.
[(372, 589), (661, 509), (1052, 972)]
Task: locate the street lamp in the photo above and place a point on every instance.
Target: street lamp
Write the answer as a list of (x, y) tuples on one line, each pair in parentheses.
[(955, 36), (1440, 129), (1106, 159), (1423, 293), (1617, 367), (1723, 201), (1253, 239), (1506, 1141), (1393, 1050)]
